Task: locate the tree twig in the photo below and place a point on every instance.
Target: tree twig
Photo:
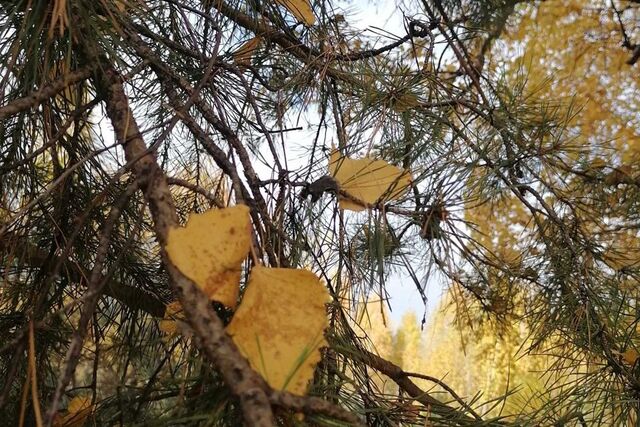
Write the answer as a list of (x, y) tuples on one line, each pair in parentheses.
[(47, 91)]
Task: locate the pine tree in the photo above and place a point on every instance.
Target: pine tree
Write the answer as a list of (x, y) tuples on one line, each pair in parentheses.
[(489, 143)]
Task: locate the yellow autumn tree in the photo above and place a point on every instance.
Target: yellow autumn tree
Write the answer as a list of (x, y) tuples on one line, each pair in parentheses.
[(375, 321), (408, 351), (487, 363)]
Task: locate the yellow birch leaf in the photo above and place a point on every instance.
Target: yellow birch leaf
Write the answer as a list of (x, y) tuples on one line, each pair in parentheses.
[(210, 249), (301, 9), (78, 411), (79, 403), (367, 180), (279, 325), (242, 56), (405, 102), (630, 356), (172, 313)]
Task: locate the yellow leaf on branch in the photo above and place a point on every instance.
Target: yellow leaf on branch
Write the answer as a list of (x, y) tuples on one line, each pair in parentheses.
[(279, 326), (210, 249), (301, 9), (630, 356), (78, 411), (367, 180), (172, 313), (242, 56)]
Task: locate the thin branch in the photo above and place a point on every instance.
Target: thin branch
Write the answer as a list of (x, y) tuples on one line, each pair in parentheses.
[(447, 389), (132, 297), (401, 378), (47, 91), (166, 76), (312, 406), (218, 347), (196, 189), (73, 116), (91, 297)]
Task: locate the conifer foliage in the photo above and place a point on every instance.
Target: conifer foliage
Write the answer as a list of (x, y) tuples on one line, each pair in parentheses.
[(162, 263)]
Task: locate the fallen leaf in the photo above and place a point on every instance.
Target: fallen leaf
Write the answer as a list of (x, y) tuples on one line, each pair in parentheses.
[(301, 9), (279, 325), (630, 356), (242, 56), (210, 249), (367, 180), (78, 411), (172, 313)]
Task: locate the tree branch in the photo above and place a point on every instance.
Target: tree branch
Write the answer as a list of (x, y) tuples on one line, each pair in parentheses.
[(47, 91), (243, 382), (131, 296), (403, 380)]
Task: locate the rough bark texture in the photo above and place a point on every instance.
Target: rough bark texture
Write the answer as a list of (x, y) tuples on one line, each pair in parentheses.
[(44, 93), (244, 383)]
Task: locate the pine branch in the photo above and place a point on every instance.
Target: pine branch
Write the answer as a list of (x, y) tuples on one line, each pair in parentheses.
[(403, 380), (90, 299), (216, 344), (131, 296), (47, 91), (254, 394)]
